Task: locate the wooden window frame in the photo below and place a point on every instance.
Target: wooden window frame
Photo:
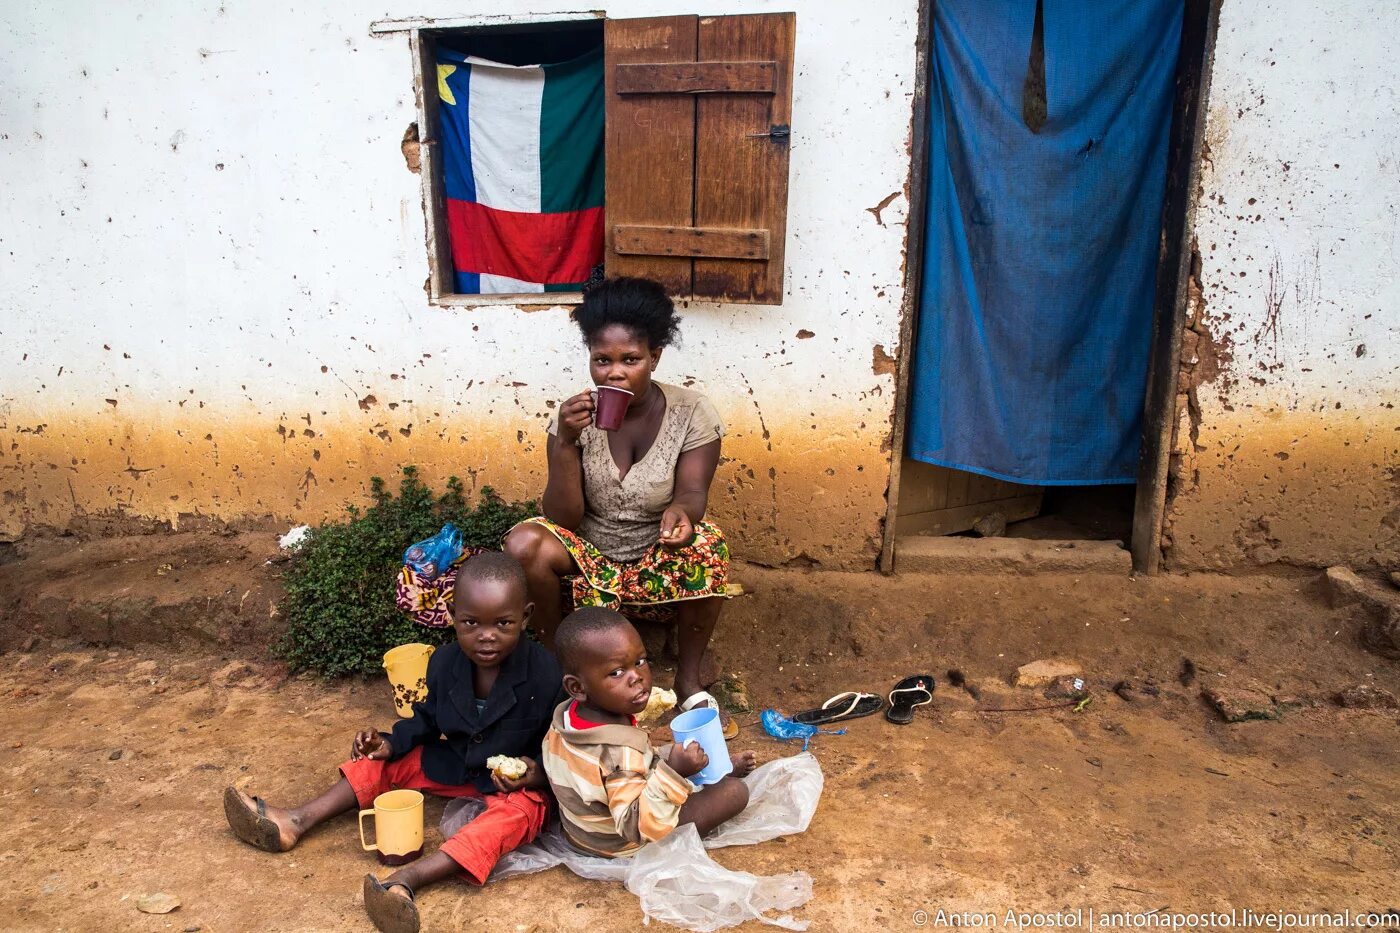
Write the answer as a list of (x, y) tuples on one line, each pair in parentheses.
[(422, 32), (733, 76)]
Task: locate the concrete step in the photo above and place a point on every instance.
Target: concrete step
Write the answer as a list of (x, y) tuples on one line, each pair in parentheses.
[(931, 554)]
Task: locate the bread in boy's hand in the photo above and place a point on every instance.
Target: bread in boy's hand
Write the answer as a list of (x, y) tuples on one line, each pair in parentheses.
[(661, 700), (512, 769)]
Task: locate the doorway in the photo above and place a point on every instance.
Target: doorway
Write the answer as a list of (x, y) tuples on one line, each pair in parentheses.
[(933, 495)]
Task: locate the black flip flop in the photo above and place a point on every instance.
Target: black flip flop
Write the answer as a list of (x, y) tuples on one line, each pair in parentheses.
[(389, 912), (916, 690), (849, 705), (251, 826)]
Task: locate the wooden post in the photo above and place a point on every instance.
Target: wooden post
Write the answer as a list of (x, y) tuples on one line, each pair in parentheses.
[(1173, 273)]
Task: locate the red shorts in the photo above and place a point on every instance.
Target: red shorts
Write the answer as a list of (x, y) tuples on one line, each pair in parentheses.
[(510, 820)]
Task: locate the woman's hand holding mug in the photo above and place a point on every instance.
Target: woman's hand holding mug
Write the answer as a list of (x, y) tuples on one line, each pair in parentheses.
[(574, 415)]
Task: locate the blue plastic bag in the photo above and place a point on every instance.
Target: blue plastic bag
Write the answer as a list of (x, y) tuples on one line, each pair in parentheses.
[(431, 557), (780, 727)]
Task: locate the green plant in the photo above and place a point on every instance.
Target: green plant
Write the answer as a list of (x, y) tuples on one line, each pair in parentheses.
[(339, 606)]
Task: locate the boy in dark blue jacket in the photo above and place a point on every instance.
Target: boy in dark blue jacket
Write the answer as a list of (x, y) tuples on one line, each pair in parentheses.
[(490, 693)]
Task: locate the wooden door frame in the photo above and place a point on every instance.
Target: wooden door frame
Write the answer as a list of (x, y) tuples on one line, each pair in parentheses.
[(1199, 24), (1169, 313), (913, 276)]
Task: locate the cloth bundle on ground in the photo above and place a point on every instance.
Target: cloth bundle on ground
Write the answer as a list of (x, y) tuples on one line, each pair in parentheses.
[(674, 879), (428, 600)]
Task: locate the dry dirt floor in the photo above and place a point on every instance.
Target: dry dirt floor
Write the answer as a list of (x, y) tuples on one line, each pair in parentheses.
[(116, 747)]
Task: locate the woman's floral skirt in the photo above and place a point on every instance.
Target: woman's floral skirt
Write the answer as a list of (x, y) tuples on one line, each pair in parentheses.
[(646, 588), (660, 576)]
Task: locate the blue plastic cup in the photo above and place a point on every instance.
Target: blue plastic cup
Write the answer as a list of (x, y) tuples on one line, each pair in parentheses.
[(702, 725)]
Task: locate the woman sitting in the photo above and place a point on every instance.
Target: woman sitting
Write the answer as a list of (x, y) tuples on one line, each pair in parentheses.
[(624, 510)]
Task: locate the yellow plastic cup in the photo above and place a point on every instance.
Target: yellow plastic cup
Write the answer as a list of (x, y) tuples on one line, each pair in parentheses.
[(398, 827), (407, 667)]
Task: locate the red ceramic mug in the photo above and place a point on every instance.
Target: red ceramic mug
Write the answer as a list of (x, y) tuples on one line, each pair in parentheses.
[(609, 407)]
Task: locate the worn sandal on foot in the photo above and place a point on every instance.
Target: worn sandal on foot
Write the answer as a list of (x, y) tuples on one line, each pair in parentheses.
[(251, 824), (907, 694), (390, 913), (730, 729), (849, 705)]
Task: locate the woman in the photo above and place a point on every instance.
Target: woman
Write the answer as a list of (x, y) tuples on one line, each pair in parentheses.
[(624, 510)]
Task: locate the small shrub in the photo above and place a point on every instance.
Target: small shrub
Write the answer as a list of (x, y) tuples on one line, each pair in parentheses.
[(339, 606)]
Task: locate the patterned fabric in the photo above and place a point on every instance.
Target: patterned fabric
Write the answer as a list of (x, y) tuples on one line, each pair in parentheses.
[(662, 575), (429, 602)]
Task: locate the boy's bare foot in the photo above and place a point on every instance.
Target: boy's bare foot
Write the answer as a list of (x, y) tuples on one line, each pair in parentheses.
[(390, 905), (744, 764), (252, 820)]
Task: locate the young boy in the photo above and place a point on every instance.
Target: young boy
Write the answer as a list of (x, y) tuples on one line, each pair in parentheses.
[(615, 792), (489, 693)]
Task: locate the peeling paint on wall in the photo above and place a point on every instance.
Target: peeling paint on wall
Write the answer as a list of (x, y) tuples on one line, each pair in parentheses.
[(766, 492), (412, 157), (1288, 436), (250, 253), (218, 303)]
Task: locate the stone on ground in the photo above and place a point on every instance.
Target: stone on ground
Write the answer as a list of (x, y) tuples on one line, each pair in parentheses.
[(1344, 587), (1366, 696), (157, 903), (1042, 673), (1241, 704), (733, 694), (1134, 691), (234, 672), (1382, 633), (990, 526)]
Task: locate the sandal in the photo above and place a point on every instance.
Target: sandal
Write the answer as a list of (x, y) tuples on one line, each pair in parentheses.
[(849, 705), (251, 824), (389, 912), (907, 694), (730, 729)]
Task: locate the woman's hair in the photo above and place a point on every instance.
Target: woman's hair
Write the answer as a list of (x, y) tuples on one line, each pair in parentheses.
[(640, 305)]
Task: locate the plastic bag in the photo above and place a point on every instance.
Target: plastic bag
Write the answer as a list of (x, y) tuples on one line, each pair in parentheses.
[(675, 880), (431, 557), (783, 797), (780, 727), (679, 884)]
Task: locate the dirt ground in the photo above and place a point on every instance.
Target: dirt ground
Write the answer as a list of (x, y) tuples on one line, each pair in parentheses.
[(137, 685)]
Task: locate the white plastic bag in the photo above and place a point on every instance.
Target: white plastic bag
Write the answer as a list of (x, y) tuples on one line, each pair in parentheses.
[(783, 797), (675, 880), (678, 883)]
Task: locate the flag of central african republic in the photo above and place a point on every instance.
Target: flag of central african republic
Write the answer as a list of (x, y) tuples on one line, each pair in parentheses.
[(522, 150)]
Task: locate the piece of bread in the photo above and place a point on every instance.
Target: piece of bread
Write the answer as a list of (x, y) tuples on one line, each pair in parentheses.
[(512, 769), (661, 700)]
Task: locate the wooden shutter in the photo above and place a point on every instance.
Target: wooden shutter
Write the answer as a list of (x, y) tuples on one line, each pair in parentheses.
[(698, 117)]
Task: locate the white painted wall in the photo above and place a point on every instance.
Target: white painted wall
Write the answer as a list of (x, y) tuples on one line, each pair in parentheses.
[(1299, 440), (207, 207)]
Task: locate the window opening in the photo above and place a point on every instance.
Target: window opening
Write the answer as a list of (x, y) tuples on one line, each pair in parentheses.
[(520, 154), (694, 114)]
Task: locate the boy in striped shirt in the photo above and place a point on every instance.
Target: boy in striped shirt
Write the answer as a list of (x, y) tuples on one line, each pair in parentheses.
[(616, 793)]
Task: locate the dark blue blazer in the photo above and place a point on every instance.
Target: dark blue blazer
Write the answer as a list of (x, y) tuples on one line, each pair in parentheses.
[(456, 740)]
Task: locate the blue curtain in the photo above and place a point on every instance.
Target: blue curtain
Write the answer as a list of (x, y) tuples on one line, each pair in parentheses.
[(1040, 261)]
